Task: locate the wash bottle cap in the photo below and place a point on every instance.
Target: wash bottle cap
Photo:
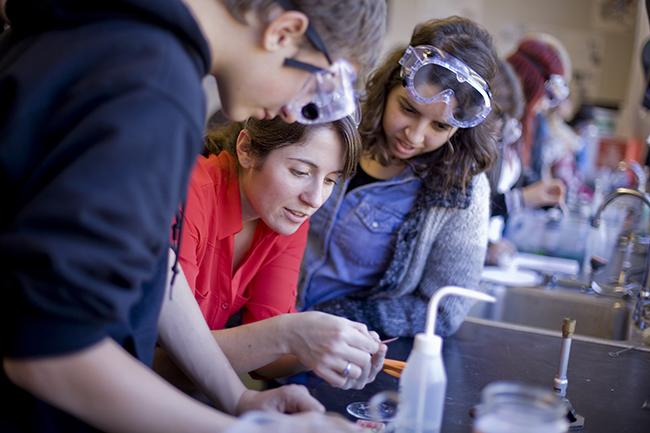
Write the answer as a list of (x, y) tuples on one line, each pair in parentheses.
[(430, 343)]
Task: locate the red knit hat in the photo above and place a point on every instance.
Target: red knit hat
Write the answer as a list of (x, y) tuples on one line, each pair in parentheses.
[(534, 62)]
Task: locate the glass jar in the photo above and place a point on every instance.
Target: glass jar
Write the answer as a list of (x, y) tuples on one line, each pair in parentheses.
[(509, 407)]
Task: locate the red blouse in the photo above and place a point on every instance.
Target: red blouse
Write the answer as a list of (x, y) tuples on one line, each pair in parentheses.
[(265, 283)]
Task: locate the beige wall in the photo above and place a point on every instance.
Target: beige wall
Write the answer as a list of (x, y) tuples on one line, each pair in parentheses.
[(601, 51), (634, 120)]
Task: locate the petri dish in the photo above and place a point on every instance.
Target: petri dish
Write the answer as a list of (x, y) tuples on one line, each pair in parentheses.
[(362, 409)]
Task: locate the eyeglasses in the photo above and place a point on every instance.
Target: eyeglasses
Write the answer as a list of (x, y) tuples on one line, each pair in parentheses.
[(328, 94), (431, 75)]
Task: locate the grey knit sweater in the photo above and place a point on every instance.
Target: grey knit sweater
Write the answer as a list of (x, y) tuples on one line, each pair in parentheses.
[(449, 249)]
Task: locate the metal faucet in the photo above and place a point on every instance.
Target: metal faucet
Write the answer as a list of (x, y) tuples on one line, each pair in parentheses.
[(645, 198), (638, 171), (640, 174), (642, 308)]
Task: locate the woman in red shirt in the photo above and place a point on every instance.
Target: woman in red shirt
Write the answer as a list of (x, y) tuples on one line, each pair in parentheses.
[(244, 233)]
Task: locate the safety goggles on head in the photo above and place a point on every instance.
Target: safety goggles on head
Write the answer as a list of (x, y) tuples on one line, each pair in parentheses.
[(556, 90), (430, 75), (328, 95)]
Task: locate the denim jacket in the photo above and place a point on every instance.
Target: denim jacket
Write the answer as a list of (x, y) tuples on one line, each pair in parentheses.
[(351, 238), (350, 246)]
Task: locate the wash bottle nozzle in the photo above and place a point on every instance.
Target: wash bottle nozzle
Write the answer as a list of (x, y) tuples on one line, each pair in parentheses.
[(451, 290), (424, 380)]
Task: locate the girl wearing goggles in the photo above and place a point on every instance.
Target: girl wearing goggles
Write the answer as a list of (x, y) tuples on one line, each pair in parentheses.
[(541, 70), (414, 217), (432, 75)]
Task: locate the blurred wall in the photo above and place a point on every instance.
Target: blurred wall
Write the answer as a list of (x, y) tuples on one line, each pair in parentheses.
[(599, 39), (634, 120)]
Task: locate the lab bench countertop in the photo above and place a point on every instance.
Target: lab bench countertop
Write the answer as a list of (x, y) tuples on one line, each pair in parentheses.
[(610, 388)]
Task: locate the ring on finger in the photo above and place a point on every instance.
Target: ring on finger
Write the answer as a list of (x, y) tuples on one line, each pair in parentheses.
[(346, 370)]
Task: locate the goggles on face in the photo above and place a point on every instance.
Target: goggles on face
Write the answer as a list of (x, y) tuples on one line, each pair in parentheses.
[(431, 75), (328, 95), (556, 90)]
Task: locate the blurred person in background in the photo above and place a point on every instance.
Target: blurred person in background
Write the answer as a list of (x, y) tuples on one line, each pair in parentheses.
[(542, 75), (505, 173)]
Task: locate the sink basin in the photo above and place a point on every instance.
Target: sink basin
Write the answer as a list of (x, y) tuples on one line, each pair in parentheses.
[(540, 307)]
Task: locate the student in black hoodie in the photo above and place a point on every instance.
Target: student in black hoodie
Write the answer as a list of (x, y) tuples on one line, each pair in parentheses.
[(3, 18), (101, 117)]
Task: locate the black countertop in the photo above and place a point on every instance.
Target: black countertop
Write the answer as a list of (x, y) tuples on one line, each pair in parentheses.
[(609, 392)]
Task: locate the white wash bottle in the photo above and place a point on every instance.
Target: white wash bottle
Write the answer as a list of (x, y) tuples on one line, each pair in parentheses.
[(423, 382)]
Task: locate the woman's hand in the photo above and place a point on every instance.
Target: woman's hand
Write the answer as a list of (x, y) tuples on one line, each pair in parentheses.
[(285, 399), (342, 352), (310, 422), (369, 374), (544, 193)]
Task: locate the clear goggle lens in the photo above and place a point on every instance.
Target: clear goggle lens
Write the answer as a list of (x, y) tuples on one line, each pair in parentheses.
[(556, 89), (328, 95), (431, 76)]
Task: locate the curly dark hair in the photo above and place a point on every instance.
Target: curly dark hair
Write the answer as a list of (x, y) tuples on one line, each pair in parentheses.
[(472, 150)]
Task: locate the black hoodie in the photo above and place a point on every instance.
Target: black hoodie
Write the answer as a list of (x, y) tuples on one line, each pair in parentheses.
[(101, 117)]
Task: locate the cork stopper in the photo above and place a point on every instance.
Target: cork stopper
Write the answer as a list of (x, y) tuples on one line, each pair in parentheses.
[(568, 327)]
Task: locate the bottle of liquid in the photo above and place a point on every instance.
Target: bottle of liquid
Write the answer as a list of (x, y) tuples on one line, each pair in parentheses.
[(423, 382)]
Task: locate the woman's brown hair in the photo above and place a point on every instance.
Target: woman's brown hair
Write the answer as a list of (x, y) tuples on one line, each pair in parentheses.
[(269, 135), (472, 150)]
